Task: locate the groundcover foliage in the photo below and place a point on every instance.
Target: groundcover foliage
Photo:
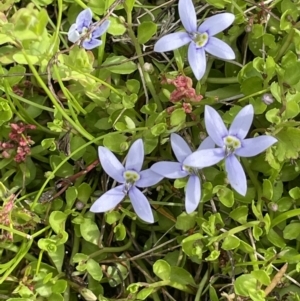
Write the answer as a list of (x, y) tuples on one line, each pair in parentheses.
[(149, 150)]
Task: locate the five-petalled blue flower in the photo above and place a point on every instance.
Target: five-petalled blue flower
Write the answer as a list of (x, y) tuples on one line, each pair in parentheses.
[(82, 26), (201, 39), (177, 170), (130, 178), (231, 142)]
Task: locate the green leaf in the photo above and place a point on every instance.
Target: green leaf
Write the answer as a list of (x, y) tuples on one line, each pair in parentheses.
[(225, 195), (5, 111), (262, 277), (71, 196), (186, 221), (240, 214), (291, 231), (275, 239), (288, 145), (214, 255), (133, 86), (218, 3), (57, 257), (55, 297), (128, 5), (119, 65), (94, 269), (292, 108), (267, 189), (145, 293), (116, 28), (177, 117), (145, 31), (112, 217), (192, 246), (59, 286), (243, 284), (57, 221), (162, 269), (84, 192), (213, 296), (90, 231), (116, 143), (65, 170), (181, 276), (75, 143), (120, 232), (295, 193), (47, 244), (230, 243), (158, 129)]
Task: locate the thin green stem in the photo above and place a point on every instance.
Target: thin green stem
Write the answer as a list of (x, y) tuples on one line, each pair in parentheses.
[(61, 110), (138, 50), (67, 93), (102, 46), (285, 46), (253, 95), (201, 286), (117, 249), (17, 232), (222, 80), (256, 184)]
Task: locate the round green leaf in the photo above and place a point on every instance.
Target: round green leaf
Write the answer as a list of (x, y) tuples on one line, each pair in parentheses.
[(145, 31)]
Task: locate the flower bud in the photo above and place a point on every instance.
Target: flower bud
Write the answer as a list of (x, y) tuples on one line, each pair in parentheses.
[(248, 28), (148, 68), (267, 98), (79, 205), (273, 206)]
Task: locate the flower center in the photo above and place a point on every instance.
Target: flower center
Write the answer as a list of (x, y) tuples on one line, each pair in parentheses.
[(83, 33), (231, 144), (131, 176), (190, 170), (200, 39)]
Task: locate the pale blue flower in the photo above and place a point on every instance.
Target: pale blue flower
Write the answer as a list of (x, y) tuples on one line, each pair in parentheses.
[(130, 178), (201, 39), (231, 142), (82, 26), (177, 170)]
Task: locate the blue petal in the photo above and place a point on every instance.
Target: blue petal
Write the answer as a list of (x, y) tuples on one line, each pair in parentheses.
[(236, 175), (207, 143), (197, 60), (242, 122), (111, 164), (187, 15), (171, 170), (216, 23), (73, 34), (99, 31), (141, 205), (215, 126), (172, 41), (254, 146), (109, 200), (204, 158), (192, 194), (84, 19), (91, 44), (180, 147), (219, 49), (148, 178), (135, 156)]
